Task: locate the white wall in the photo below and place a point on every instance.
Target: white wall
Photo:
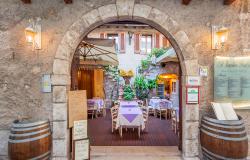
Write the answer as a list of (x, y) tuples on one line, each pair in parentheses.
[(128, 60)]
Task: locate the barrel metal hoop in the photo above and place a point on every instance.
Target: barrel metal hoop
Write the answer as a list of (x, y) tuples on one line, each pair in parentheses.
[(27, 129), (45, 155), (224, 138), (28, 124), (218, 125), (221, 131), (224, 122), (29, 134), (30, 139), (218, 156)]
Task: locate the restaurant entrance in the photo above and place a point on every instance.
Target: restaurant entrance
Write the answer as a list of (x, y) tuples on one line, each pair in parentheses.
[(177, 38)]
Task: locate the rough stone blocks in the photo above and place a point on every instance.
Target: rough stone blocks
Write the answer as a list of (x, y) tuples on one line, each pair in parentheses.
[(108, 12), (59, 94), (59, 130), (59, 111), (125, 7), (141, 10)]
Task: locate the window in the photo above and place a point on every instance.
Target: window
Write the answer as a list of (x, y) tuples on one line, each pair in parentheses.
[(146, 44), (174, 87), (116, 38)]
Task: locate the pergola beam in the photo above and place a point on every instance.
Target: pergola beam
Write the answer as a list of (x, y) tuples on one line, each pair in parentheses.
[(228, 2), (186, 2)]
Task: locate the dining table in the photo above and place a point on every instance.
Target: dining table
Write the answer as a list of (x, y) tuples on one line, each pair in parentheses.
[(155, 103), (130, 116), (96, 102)]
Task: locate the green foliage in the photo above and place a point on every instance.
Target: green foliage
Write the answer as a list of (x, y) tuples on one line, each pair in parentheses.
[(141, 86), (152, 84), (128, 93), (158, 51), (145, 64)]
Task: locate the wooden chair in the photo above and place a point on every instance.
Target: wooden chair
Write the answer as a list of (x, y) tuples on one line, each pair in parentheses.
[(103, 108), (161, 110), (151, 110), (114, 114), (145, 112), (92, 109), (174, 121)]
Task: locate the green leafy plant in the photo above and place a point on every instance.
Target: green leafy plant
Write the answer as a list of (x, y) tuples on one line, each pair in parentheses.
[(128, 93), (152, 83), (141, 87), (158, 51)]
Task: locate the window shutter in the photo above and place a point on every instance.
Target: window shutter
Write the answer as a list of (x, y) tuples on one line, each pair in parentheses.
[(165, 42), (101, 35), (157, 40), (137, 43), (122, 42)]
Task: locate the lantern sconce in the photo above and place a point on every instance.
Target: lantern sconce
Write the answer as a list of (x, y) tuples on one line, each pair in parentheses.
[(219, 36), (130, 36), (33, 33)]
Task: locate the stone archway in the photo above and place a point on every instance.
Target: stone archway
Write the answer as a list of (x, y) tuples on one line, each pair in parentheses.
[(122, 10)]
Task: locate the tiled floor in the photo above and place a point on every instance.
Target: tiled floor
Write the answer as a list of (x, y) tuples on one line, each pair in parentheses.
[(135, 153)]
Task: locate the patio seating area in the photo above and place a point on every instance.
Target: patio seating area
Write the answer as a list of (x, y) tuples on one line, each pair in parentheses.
[(137, 130)]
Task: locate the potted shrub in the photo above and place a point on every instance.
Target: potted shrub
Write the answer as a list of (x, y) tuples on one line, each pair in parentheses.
[(128, 93), (141, 87)]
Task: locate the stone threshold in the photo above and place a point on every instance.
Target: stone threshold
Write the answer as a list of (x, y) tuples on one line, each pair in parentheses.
[(135, 153)]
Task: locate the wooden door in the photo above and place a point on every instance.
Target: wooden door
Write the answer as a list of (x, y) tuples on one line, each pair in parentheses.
[(85, 81), (98, 83)]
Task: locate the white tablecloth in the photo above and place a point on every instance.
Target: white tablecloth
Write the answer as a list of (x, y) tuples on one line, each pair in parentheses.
[(130, 116), (96, 102), (155, 103)]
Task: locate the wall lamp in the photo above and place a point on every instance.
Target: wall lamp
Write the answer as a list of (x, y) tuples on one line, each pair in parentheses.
[(33, 34), (219, 36), (130, 35)]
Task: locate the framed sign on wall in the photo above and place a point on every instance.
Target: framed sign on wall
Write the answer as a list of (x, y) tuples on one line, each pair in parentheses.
[(192, 95)]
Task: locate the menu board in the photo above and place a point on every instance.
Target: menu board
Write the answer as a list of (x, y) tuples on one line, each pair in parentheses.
[(81, 151), (232, 79), (80, 130)]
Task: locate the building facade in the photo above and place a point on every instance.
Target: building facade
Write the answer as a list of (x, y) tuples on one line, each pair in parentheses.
[(188, 29)]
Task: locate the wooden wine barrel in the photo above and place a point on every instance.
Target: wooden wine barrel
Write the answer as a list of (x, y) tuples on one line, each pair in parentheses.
[(30, 140), (223, 140)]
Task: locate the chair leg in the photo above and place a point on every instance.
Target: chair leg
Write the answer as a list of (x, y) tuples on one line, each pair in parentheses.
[(139, 131), (112, 127)]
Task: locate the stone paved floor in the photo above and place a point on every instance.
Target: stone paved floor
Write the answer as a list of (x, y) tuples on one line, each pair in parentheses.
[(135, 153)]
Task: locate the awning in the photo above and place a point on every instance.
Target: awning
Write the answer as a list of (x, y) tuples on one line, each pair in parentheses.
[(168, 56), (96, 51)]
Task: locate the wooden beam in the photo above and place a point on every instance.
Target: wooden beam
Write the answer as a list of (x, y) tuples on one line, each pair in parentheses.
[(228, 2), (186, 2), (68, 1), (26, 1)]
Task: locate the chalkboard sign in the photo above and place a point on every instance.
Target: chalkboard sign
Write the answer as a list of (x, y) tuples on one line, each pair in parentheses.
[(232, 79)]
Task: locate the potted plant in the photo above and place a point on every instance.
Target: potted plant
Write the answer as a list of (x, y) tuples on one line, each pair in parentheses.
[(128, 93), (141, 87), (152, 87)]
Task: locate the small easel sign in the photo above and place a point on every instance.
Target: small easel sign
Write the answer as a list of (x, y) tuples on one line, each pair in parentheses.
[(81, 149)]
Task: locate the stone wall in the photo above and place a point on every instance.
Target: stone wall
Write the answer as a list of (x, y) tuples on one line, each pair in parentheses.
[(21, 68)]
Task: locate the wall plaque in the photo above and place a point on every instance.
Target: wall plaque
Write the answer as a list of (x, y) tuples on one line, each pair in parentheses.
[(46, 83), (232, 79), (192, 95)]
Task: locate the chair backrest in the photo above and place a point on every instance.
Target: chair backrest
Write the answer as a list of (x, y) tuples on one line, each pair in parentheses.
[(145, 110), (146, 102), (114, 111), (162, 105)]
